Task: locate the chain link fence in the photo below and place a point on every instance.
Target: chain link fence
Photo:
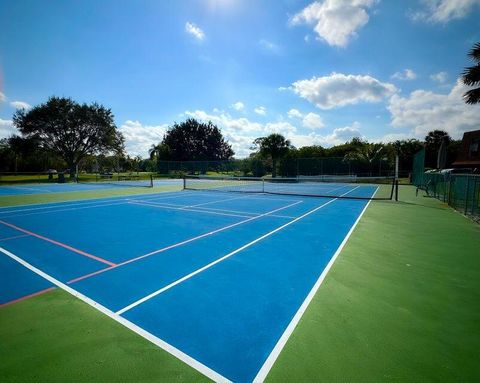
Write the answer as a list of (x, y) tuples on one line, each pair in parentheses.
[(287, 167), (460, 191)]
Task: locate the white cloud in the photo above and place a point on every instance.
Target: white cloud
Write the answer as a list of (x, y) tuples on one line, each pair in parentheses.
[(313, 121), (3, 97), (335, 21), (405, 75), (7, 128), (224, 120), (391, 137), (440, 77), (269, 46), (261, 110), (443, 11), (20, 105), (282, 127), (139, 138), (339, 90), (338, 136), (238, 106), (341, 135), (294, 113), (424, 110), (240, 132), (194, 30)]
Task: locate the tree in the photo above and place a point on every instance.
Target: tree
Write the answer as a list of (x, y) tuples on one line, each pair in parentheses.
[(193, 141), (367, 152), (405, 149), (471, 76), (433, 140), (313, 151), (274, 146), (71, 130)]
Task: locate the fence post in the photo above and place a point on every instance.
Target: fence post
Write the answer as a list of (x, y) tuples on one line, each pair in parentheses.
[(466, 194), (475, 195)]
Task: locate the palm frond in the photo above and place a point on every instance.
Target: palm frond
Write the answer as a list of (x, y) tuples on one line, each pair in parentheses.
[(472, 96), (471, 75), (474, 53)]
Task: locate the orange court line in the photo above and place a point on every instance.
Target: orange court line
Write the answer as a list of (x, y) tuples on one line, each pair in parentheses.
[(58, 243), (27, 297)]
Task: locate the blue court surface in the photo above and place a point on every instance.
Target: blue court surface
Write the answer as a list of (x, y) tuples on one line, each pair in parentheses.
[(217, 279), (47, 188)]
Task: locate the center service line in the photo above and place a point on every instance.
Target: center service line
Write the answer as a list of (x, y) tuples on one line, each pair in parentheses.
[(192, 274), (183, 242)]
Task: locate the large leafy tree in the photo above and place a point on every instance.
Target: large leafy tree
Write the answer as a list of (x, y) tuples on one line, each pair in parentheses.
[(71, 130), (433, 140), (274, 146), (471, 76), (192, 140)]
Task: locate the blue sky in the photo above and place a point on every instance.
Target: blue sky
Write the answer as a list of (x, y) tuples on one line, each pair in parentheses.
[(319, 72)]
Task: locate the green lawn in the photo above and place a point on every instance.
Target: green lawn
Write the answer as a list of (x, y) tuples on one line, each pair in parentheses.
[(57, 338), (401, 304)]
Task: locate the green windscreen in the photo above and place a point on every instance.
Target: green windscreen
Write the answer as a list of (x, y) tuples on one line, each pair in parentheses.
[(419, 168)]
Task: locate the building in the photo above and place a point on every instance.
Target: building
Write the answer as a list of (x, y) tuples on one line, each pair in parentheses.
[(469, 155)]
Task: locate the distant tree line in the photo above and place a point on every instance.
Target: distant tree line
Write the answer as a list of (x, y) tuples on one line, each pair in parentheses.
[(97, 147)]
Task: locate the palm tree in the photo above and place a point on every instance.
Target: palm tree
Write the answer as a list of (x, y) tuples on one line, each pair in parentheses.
[(365, 153), (274, 146), (471, 76), (154, 151)]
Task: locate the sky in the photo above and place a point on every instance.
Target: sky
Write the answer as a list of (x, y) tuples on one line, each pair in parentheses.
[(318, 72)]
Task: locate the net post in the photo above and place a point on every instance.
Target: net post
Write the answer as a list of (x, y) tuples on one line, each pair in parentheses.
[(184, 183), (151, 180)]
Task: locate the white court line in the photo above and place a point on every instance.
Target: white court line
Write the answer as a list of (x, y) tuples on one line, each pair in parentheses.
[(68, 206), (163, 249), (265, 369), (47, 205), (192, 274), (209, 233), (30, 188), (138, 330), (66, 209), (221, 200), (253, 196), (186, 208), (246, 212)]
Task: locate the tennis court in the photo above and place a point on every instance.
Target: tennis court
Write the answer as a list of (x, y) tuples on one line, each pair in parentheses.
[(217, 279), (43, 188)]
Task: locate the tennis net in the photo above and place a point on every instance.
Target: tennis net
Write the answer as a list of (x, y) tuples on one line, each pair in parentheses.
[(371, 188), (128, 180)]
